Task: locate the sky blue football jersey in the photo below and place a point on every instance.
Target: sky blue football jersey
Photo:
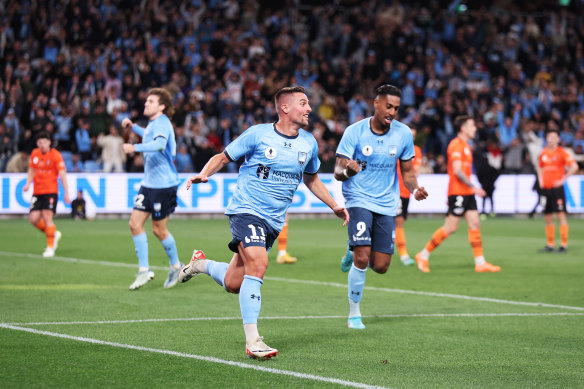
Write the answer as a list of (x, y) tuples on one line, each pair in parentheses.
[(376, 186), (273, 168), (159, 169)]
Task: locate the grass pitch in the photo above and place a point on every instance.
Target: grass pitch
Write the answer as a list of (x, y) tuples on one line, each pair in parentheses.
[(72, 322)]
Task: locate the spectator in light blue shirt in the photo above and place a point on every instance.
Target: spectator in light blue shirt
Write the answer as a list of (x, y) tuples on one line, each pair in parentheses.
[(83, 140)]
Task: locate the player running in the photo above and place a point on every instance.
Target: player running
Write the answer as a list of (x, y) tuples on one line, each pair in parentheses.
[(366, 163), (277, 157)]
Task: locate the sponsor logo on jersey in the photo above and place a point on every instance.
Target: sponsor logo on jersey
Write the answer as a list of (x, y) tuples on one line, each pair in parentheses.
[(288, 145), (263, 171)]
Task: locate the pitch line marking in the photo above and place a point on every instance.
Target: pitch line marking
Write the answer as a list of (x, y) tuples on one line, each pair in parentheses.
[(312, 317), (194, 356), (309, 282)]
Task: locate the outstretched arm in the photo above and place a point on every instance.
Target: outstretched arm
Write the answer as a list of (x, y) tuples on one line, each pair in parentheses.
[(216, 163), (315, 185)]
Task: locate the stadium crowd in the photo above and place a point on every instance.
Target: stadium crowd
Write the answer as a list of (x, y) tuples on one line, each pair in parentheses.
[(77, 69)]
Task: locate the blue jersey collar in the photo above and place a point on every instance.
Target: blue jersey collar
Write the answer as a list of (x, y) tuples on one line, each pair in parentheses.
[(285, 136)]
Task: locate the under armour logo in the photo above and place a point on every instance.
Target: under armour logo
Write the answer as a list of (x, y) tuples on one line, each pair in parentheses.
[(356, 293), (379, 141), (253, 296), (288, 145)]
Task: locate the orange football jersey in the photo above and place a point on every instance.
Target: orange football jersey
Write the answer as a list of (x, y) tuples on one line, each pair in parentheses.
[(459, 150), (416, 162), (553, 165), (46, 172)]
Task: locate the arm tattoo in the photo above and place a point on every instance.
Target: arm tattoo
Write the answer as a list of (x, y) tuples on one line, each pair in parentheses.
[(463, 178)]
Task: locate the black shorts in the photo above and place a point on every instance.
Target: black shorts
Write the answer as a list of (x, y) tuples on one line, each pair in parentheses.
[(553, 200), (458, 205), (44, 201), (160, 202), (402, 208), (252, 231)]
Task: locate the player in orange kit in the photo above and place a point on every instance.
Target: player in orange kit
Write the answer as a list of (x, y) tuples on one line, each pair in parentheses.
[(554, 168), (461, 199), (402, 210), (45, 167)]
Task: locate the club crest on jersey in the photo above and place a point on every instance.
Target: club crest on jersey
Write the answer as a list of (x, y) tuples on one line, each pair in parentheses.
[(302, 156), (263, 172), (367, 150), (157, 207), (392, 151), (35, 160), (270, 153)]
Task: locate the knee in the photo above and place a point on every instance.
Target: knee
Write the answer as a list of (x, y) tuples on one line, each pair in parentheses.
[(134, 227), (380, 269), (160, 233), (361, 260)]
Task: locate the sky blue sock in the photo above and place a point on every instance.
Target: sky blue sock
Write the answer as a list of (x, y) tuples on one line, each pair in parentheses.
[(141, 245), (170, 248), (356, 281), (217, 270), (250, 299)]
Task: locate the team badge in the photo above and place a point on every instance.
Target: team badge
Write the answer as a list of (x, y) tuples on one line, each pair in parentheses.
[(35, 160), (271, 153), (367, 150), (392, 151), (467, 151), (302, 156), (157, 207)]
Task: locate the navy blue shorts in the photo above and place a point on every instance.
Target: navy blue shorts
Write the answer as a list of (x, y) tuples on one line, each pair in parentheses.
[(160, 202), (252, 231), (368, 228)]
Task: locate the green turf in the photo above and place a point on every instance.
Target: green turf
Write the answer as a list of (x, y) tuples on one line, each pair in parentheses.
[(435, 338)]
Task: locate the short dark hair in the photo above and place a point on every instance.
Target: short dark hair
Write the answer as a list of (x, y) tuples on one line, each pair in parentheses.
[(388, 90), (288, 90), (43, 135), (549, 131), (459, 122), (164, 97)]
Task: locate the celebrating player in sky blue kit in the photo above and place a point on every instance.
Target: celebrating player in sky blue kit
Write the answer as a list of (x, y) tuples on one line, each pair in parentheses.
[(366, 163), (277, 157), (157, 195)]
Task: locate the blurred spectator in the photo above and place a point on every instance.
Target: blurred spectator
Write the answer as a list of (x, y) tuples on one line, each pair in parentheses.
[(83, 140), (112, 153), (224, 58), (183, 160), (18, 163)]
